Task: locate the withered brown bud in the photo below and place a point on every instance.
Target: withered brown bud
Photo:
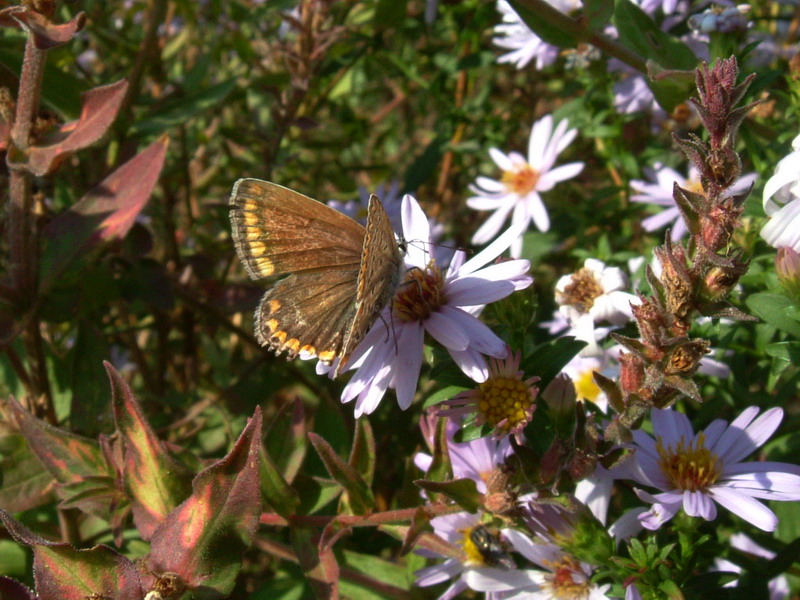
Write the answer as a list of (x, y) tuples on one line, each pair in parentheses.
[(651, 321), (720, 280), (631, 372), (685, 359), (723, 167), (718, 224), (678, 284)]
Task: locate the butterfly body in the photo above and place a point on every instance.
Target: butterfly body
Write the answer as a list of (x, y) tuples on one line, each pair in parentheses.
[(339, 274)]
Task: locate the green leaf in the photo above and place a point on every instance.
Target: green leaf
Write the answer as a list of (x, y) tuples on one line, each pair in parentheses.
[(785, 351), (359, 495), (202, 540), (277, 492), (546, 360), (183, 109), (639, 33), (543, 27), (62, 90), (362, 456), (774, 309), (315, 493), (461, 491), (155, 481), (446, 393), (321, 568), (598, 13), (25, 483), (285, 440), (89, 412)]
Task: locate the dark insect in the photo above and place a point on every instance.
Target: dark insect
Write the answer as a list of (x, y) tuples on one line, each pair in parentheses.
[(491, 548)]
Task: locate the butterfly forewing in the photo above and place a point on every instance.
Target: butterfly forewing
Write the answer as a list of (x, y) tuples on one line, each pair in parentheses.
[(277, 231), (379, 274)]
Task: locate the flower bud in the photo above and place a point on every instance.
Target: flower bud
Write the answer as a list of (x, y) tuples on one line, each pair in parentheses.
[(787, 264)]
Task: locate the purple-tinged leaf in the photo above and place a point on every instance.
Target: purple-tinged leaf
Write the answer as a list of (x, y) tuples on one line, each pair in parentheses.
[(68, 457), (321, 569), (427, 540), (202, 540), (106, 212), (63, 573), (285, 439), (359, 495), (45, 34), (14, 590), (155, 481), (362, 455), (99, 108), (419, 524)]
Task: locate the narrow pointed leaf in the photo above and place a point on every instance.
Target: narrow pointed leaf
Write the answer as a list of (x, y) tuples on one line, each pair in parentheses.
[(277, 492), (362, 456), (45, 34), (359, 495), (322, 570), (106, 212), (286, 441), (63, 573), (155, 481), (202, 540), (419, 523), (68, 457), (774, 309), (25, 483), (99, 108)]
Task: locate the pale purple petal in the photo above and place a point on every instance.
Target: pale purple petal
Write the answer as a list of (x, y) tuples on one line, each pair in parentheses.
[(438, 573), (480, 336), (492, 225), (745, 507), (549, 179), (472, 291), (407, 363), (446, 331), (498, 580), (501, 160), (415, 229), (490, 203), (537, 143), (743, 437), (489, 184), (538, 212), (493, 250), (472, 363), (538, 553), (671, 426)]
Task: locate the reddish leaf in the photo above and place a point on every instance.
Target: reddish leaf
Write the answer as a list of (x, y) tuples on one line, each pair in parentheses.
[(277, 492), (98, 111), (155, 481), (14, 590), (106, 212), (63, 573), (67, 456), (203, 539), (45, 34), (321, 568), (359, 495)]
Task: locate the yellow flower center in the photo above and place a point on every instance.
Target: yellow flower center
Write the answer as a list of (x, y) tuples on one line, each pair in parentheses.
[(567, 581), (420, 294), (581, 291), (689, 466), (585, 386), (522, 180), (474, 555), (505, 399)]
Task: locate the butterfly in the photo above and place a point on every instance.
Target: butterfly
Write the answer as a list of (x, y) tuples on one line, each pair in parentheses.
[(339, 274)]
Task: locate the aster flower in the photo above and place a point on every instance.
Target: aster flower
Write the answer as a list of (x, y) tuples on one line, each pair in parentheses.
[(477, 459), (513, 34), (778, 586), (505, 401), (783, 228), (562, 576), (658, 191), (695, 471), (522, 180), (456, 529), (591, 295), (441, 301)]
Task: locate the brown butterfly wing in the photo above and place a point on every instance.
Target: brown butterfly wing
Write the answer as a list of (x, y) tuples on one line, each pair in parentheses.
[(277, 231), (378, 277), (308, 312)]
